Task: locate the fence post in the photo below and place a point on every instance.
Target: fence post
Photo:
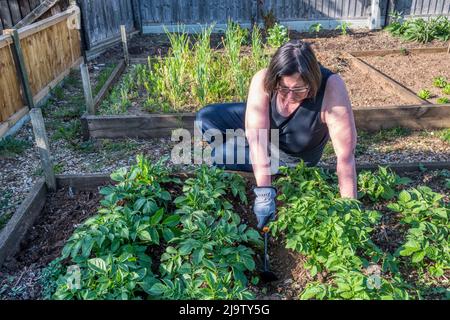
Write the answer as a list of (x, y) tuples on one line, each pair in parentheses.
[(87, 89), (123, 33), (21, 68), (375, 15), (40, 136)]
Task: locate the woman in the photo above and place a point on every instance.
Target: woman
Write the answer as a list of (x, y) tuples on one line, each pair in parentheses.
[(307, 103)]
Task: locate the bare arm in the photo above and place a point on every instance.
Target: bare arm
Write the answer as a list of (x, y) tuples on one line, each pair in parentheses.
[(257, 127), (341, 126)]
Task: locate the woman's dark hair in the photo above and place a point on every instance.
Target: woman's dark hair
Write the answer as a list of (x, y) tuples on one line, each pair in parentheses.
[(292, 57)]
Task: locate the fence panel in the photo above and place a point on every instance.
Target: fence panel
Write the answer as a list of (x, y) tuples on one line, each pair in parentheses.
[(50, 49), (10, 90), (424, 8), (102, 19)]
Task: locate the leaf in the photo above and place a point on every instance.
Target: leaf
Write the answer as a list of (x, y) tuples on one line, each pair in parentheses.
[(186, 248), (172, 220), (88, 243), (404, 196), (311, 292), (119, 175), (165, 196), (139, 204), (158, 289), (150, 207), (197, 256), (418, 256), (144, 235), (167, 234), (154, 235), (407, 251), (156, 218), (97, 265)]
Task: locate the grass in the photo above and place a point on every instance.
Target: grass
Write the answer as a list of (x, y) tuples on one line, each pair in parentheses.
[(366, 139), (444, 135), (4, 220), (103, 77), (384, 135), (118, 146), (11, 146)]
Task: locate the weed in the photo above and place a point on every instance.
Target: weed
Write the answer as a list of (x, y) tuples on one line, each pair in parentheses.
[(10, 146), (102, 78)]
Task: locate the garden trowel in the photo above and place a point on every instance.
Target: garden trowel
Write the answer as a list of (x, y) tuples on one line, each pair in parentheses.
[(266, 274)]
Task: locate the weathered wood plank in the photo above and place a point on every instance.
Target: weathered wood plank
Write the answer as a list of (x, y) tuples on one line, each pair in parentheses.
[(369, 119), (44, 24), (36, 13), (40, 136), (24, 7), (20, 63), (83, 182), (14, 10), (90, 108), (385, 52), (137, 126), (21, 221), (10, 99), (5, 15), (417, 117)]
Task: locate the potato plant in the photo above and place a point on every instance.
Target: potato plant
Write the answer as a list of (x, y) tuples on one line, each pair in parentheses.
[(334, 234), (427, 240)]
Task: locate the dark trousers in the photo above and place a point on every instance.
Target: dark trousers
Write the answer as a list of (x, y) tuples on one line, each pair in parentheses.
[(219, 118), (223, 116)]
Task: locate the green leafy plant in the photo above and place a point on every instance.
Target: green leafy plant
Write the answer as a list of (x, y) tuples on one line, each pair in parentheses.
[(421, 30), (343, 27), (315, 27), (440, 82), (205, 252), (329, 231), (277, 36), (379, 185), (445, 135), (193, 74), (11, 146), (446, 89), (424, 94), (443, 100), (427, 239)]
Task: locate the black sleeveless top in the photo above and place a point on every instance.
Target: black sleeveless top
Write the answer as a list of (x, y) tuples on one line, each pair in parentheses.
[(303, 134)]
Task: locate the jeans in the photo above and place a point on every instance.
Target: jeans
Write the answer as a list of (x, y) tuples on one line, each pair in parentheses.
[(217, 118)]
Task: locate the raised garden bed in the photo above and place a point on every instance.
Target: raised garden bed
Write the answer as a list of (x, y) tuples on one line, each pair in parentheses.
[(415, 70), (379, 102), (40, 229)]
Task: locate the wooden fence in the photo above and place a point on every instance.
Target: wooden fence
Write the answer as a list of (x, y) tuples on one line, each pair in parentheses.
[(13, 11), (50, 49)]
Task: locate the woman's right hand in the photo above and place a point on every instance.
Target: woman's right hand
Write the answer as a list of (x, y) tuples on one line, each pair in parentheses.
[(264, 207)]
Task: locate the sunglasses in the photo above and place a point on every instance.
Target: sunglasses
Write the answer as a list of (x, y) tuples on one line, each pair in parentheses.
[(297, 91)]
